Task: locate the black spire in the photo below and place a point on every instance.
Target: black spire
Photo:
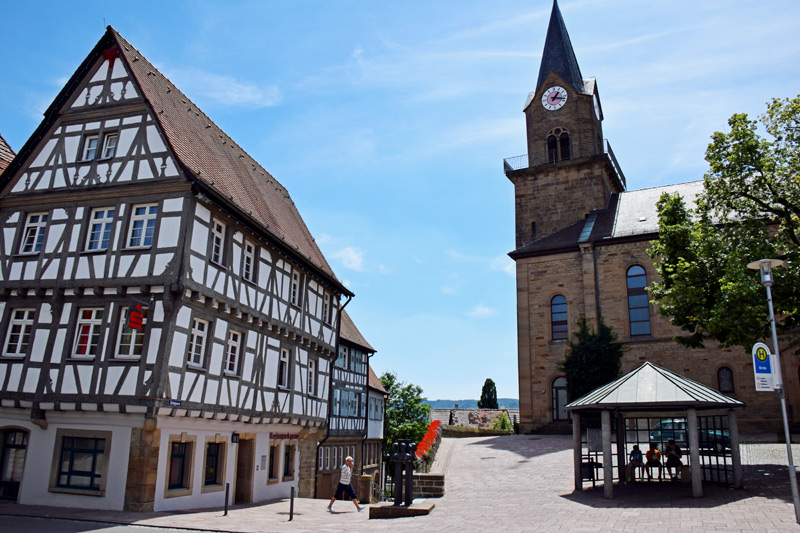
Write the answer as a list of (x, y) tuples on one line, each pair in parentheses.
[(558, 54)]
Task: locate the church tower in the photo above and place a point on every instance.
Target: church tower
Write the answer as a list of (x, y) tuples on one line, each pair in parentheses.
[(570, 168)]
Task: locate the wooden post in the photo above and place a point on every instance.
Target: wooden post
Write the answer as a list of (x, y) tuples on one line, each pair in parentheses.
[(736, 456), (577, 450), (694, 453), (608, 469)]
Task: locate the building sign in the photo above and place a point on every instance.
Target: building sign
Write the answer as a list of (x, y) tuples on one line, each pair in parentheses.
[(135, 316), (174, 403), (284, 436), (762, 367)]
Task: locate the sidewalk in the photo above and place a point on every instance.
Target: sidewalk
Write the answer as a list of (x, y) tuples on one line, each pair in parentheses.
[(515, 483)]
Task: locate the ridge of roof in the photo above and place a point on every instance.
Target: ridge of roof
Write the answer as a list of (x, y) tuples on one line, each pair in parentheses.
[(210, 156), (558, 54)]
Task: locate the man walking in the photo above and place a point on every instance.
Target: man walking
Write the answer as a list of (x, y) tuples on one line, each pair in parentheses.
[(345, 487)]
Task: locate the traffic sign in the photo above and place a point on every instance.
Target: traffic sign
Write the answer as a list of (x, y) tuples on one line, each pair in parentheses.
[(762, 367)]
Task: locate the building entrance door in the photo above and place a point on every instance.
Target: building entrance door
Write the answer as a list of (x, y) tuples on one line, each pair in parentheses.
[(244, 471), (12, 462)]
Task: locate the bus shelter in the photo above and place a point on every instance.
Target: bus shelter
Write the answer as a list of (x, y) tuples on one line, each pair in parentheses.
[(652, 390)]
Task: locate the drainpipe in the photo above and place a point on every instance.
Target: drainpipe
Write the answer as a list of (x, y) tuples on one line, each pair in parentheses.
[(330, 393)]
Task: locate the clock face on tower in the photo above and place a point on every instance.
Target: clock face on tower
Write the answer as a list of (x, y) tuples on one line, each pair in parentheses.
[(554, 98)]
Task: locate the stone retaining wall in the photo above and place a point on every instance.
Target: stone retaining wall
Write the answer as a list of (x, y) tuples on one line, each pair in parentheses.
[(428, 485)]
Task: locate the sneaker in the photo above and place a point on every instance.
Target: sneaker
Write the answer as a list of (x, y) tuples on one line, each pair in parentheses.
[(330, 510), (361, 508)]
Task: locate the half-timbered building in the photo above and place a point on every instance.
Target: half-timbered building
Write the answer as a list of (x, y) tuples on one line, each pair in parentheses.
[(6, 154), (347, 425), (168, 323)]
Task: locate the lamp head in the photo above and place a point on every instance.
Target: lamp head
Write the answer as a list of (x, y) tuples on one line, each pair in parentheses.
[(765, 266)]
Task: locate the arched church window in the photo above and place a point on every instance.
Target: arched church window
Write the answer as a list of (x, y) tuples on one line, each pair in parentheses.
[(559, 147), (552, 148), (638, 305), (563, 141), (558, 318), (725, 380), (560, 399)]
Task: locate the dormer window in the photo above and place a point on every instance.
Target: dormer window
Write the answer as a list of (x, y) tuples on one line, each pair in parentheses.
[(559, 147)]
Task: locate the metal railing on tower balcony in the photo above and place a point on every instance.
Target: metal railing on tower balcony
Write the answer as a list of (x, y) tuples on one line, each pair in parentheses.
[(520, 162)]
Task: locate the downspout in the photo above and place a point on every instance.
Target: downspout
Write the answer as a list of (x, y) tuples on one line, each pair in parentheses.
[(330, 392)]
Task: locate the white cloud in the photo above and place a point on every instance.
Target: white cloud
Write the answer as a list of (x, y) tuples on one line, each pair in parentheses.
[(482, 311), (225, 90), (352, 258), (505, 264), (383, 269)]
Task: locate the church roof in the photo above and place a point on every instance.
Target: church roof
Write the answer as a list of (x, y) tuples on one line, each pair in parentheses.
[(207, 156), (6, 154), (651, 387), (628, 215), (558, 54)]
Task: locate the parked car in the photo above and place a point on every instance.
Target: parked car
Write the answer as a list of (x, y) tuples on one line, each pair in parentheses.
[(716, 439)]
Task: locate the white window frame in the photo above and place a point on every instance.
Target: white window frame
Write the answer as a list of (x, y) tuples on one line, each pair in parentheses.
[(195, 355), (20, 327), (94, 323), (217, 241), (91, 143), (312, 377), (143, 222), (110, 141), (33, 233), (101, 223), (295, 296), (326, 307), (249, 261), (233, 352), (283, 369), (128, 338)]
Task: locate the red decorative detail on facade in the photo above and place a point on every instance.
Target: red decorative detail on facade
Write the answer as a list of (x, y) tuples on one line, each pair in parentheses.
[(135, 315), (110, 54)]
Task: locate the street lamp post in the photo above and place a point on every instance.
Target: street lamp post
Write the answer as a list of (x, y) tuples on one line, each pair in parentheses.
[(765, 266)]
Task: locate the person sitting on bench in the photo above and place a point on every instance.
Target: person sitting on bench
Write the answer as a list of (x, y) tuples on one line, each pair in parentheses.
[(634, 463), (653, 459)]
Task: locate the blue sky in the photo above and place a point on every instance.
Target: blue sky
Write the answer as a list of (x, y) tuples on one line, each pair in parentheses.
[(388, 123)]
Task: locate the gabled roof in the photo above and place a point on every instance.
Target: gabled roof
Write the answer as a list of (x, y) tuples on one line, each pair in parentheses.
[(651, 387), (628, 215), (375, 382), (558, 54), (349, 332), (6, 154), (207, 155)]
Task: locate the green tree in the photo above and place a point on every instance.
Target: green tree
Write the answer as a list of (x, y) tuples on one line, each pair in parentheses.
[(749, 209), (502, 423), (406, 411), (592, 360), (488, 395)]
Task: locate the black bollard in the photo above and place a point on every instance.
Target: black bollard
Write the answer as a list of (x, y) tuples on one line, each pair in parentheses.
[(291, 506), (227, 492), (398, 475)]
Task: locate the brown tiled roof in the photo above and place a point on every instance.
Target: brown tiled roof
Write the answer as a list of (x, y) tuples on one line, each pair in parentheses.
[(350, 333), (210, 156), (375, 382), (6, 154)]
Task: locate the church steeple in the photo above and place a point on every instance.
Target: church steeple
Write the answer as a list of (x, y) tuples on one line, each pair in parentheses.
[(558, 55)]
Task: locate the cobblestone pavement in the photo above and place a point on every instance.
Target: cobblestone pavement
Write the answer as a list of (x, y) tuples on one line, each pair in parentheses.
[(515, 483)]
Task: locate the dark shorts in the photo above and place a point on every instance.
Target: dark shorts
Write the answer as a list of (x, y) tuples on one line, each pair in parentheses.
[(653, 463), (674, 462), (343, 489)]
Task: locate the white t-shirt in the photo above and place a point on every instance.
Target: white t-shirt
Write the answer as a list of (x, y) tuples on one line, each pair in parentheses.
[(344, 479)]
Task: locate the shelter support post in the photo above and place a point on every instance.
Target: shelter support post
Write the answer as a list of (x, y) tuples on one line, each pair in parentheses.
[(608, 469), (621, 459), (694, 453), (577, 450), (736, 456)]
